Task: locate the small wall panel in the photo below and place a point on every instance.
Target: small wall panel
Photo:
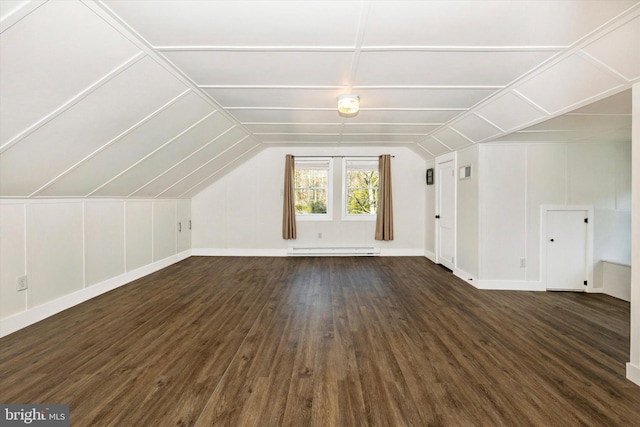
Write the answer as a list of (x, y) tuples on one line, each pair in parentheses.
[(85, 127), (165, 226), (502, 211), (12, 259), (50, 56), (161, 160), (139, 234), (546, 185), (591, 175), (55, 252), (104, 240)]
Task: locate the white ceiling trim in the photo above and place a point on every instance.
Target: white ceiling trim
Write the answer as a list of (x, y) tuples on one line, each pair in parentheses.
[(104, 12), (153, 152), (600, 32), (185, 159), (114, 140), (604, 67), (73, 101), (209, 177), (20, 13)]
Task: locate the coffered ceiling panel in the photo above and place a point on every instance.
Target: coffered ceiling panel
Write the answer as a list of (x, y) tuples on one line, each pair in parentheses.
[(125, 151), (166, 156), (304, 128), (205, 173), (242, 23), (510, 111), (86, 127), (301, 138), (626, 58), (276, 97), (419, 68), (486, 23), (476, 128), (557, 88), (452, 139), (289, 115), (434, 147), (197, 159), (417, 97), (123, 98), (251, 68), (416, 129), (42, 69)]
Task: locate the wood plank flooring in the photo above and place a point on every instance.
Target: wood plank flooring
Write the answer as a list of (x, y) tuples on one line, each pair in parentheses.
[(326, 342)]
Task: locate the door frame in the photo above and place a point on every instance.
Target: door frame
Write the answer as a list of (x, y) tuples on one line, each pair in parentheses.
[(445, 158), (544, 209)]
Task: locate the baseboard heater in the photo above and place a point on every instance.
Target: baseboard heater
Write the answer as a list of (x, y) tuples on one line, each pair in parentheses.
[(334, 251)]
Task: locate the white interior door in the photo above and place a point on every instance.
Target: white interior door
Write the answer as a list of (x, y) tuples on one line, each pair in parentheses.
[(445, 214), (566, 250)]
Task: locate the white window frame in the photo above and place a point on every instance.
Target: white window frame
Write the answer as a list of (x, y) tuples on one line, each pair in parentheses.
[(354, 217), (318, 216)]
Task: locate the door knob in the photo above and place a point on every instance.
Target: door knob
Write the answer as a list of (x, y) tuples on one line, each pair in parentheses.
[(551, 240)]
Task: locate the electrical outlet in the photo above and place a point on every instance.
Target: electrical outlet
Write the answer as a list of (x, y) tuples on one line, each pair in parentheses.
[(22, 283), (319, 235), (523, 262)]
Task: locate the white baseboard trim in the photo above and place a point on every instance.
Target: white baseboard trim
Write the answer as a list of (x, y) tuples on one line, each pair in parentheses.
[(283, 252), (509, 285), (401, 252), (239, 252), (431, 256), (22, 320), (469, 278), (633, 373)]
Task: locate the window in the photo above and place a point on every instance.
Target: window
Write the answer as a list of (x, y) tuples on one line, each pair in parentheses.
[(312, 184), (360, 200)]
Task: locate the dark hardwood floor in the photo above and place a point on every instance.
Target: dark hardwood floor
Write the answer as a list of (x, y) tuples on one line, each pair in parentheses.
[(326, 342)]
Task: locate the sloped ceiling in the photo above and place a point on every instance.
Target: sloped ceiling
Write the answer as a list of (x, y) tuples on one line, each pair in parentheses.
[(159, 98)]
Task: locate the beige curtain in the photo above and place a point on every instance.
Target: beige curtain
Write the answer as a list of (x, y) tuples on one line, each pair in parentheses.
[(384, 220), (288, 206)]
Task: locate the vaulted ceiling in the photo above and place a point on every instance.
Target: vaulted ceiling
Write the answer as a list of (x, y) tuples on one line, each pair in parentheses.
[(160, 98)]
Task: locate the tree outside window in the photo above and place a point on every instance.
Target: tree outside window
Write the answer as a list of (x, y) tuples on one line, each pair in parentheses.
[(312, 184), (361, 187)]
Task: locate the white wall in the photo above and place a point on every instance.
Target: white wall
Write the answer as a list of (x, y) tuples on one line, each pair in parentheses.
[(515, 179), (430, 215), (467, 257), (633, 367), (72, 250), (241, 213)]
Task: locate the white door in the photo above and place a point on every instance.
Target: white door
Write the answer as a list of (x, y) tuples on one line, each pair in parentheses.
[(445, 214), (566, 250)]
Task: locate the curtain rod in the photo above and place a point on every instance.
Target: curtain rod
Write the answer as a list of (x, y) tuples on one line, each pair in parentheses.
[(333, 156)]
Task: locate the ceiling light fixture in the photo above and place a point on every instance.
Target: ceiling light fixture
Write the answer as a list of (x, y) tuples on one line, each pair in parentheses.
[(348, 105)]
